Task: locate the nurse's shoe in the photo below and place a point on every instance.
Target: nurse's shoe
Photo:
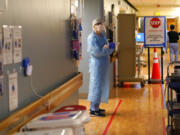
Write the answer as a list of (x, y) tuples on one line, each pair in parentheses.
[(102, 110), (97, 113)]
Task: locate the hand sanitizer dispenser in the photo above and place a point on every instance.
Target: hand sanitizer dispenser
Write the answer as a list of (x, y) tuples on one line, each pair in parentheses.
[(27, 67)]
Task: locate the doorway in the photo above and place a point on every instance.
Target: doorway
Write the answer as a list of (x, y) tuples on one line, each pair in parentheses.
[(171, 21), (174, 21)]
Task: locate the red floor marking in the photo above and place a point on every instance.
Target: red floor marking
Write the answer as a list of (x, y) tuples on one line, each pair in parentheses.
[(162, 105), (162, 98), (110, 120), (164, 126)]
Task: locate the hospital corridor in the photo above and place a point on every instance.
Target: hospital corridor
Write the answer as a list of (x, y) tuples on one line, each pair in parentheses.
[(89, 67), (132, 110)]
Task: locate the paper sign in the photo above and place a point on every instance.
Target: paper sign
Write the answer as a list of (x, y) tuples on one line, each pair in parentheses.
[(17, 44), (1, 44), (13, 91), (155, 31), (1, 54), (1, 85), (7, 45)]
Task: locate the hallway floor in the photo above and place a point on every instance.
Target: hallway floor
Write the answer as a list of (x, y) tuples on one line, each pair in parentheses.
[(140, 111), (132, 110)]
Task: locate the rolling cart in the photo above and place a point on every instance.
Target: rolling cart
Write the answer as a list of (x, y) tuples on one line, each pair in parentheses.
[(173, 105), (139, 59)]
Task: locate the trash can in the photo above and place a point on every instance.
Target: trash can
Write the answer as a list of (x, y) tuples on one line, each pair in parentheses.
[(65, 131), (72, 119)]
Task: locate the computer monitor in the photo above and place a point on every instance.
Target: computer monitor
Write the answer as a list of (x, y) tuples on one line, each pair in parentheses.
[(140, 37)]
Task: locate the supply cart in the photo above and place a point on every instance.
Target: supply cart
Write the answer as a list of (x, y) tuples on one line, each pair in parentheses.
[(173, 104), (139, 58)]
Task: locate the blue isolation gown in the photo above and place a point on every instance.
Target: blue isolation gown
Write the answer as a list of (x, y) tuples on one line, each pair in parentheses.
[(99, 68)]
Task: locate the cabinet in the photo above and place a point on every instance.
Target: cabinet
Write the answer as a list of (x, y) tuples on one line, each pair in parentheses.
[(127, 48)]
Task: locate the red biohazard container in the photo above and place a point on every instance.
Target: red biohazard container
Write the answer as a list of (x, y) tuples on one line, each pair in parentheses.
[(72, 117), (74, 120), (70, 108), (65, 131)]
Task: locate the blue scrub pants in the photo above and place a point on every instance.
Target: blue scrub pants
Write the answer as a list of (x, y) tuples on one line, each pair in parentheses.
[(94, 106), (173, 51)]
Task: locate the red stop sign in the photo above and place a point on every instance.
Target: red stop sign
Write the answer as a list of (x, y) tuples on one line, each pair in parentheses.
[(155, 22)]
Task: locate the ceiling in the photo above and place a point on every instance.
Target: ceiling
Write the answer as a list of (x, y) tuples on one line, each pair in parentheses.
[(155, 2)]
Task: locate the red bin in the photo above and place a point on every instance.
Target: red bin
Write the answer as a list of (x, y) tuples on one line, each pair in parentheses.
[(71, 108)]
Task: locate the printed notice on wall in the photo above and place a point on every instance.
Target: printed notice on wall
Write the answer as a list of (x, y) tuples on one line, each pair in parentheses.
[(1, 85), (1, 44), (7, 45), (13, 91), (1, 54), (155, 31), (17, 44)]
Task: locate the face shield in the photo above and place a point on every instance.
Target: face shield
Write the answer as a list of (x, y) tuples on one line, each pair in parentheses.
[(98, 26)]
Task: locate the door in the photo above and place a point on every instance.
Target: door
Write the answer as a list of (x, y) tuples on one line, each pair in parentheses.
[(174, 22), (171, 21)]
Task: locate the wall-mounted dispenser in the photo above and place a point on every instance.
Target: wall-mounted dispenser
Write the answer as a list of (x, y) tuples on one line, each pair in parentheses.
[(27, 67)]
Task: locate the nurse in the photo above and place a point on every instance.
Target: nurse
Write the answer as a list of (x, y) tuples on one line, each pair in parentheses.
[(99, 65)]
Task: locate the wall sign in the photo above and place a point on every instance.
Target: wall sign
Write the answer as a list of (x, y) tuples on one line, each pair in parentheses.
[(13, 91), (7, 45), (17, 44)]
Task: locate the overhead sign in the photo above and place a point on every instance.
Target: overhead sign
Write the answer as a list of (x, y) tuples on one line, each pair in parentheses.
[(155, 31)]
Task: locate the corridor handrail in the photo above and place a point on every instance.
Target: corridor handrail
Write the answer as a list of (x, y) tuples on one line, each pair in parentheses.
[(43, 105)]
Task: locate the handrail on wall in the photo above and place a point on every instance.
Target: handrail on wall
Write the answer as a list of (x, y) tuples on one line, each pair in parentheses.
[(44, 105)]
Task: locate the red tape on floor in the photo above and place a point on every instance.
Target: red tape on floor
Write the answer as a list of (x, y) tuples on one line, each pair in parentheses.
[(162, 97), (163, 107), (164, 126), (112, 117)]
